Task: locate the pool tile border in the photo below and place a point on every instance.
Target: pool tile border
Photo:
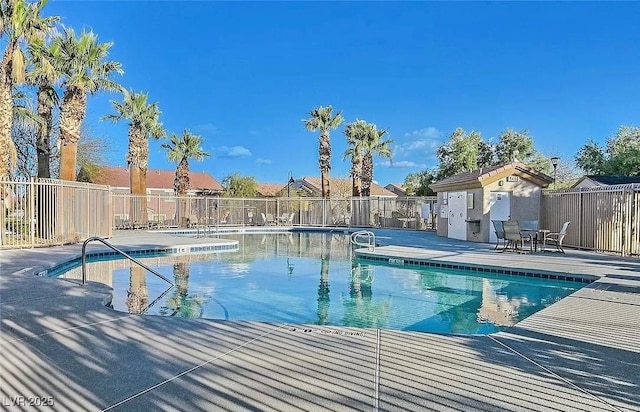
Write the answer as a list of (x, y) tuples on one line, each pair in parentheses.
[(171, 250), (400, 261)]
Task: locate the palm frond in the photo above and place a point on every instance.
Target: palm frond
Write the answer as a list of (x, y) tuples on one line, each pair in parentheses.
[(18, 65)]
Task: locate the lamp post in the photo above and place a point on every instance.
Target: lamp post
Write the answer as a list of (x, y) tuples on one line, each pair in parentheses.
[(554, 162)]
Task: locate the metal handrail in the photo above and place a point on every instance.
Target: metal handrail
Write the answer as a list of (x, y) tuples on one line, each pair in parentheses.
[(109, 245), (371, 239)]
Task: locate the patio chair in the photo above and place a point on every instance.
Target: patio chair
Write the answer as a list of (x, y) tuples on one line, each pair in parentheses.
[(192, 221), (283, 219), (263, 220), (514, 236), (499, 229), (529, 225), (289, 219), (557, 237)]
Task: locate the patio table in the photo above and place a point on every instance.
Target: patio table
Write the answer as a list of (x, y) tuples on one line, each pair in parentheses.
[(544, 233), (535, 238)]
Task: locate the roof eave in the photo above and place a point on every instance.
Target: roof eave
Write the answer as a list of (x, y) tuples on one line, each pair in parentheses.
[(447, 187)]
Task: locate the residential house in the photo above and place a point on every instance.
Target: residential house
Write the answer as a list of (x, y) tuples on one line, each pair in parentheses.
[(396, 188), (159, 181), (272, 189), (160, 204), (340, 187), (589, 181)]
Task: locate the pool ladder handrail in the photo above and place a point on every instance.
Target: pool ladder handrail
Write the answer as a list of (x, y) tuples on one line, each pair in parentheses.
[(115, 249), (371, 239)]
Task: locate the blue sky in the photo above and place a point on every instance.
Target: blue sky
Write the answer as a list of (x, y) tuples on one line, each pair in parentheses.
[(243, 75)]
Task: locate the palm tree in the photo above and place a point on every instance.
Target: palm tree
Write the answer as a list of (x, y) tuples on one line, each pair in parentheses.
[(44, 74), (355, 132), (20, 24), (180, 150), (322, 119), (85, 73), (373, 145), (143, 123)]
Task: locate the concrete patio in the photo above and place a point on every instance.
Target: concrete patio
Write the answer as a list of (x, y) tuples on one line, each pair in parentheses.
[(62, 347)]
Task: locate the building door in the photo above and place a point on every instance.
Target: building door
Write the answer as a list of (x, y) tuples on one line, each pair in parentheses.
[(457, 215), (499, 209)]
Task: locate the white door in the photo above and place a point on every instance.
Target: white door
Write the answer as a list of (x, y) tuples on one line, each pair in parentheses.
[(499, 209), (457, 215)]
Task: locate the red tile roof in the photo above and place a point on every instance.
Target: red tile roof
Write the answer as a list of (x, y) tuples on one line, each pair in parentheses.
[(156, 179), (270, 189)]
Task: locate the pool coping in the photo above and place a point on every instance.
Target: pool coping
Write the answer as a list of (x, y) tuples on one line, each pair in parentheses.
[(75, 261), (398, 260)]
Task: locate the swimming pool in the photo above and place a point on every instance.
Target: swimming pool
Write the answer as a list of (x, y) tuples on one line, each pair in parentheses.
[(313, 278)]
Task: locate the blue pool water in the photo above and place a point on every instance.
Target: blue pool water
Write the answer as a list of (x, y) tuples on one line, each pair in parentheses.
[(312, 278)]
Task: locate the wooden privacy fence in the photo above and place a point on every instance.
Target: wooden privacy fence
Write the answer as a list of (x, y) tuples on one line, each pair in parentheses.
[(46, 212), (605, 219)]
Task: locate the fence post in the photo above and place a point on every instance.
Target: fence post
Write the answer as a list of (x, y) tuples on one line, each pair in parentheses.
[(324, 212), (32, 214), (88, 220), (625, 226)]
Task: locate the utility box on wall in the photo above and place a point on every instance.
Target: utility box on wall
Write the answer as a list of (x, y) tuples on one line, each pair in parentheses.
[(507, 192)]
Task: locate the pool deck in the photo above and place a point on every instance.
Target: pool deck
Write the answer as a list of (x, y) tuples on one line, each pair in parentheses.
[(60, 344)]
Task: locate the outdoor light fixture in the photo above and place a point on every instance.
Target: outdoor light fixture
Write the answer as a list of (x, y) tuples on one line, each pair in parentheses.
[(289, 183), (554, 162)]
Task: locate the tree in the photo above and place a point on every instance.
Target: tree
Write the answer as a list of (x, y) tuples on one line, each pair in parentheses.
[(322, 119), (592, 158), (144, 123), (355, 133), (44, 74), (463, 153), (519, 146), (620, 156), (180, 150), (23, 134), (86, 72), (417, 184), (236, 185), (514, 146), (92, 151), (20, 25), (567, 173), (374, 144)]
